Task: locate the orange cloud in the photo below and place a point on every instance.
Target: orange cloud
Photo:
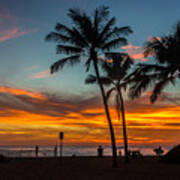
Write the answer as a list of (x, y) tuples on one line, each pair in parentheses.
[(152, 39), (29, 118), (15, 91), (135, 52), (42, 74)]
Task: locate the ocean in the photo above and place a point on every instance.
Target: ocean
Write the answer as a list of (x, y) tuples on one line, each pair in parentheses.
[(48, 151)]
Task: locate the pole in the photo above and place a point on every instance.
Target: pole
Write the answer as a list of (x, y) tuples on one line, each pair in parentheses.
[(61, 136), (61, 148)]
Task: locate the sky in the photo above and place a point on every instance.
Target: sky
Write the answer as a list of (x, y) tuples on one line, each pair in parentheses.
[(35, 106)]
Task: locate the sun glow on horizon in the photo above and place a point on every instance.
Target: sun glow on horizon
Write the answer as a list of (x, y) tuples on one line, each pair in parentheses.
[(36, 119)]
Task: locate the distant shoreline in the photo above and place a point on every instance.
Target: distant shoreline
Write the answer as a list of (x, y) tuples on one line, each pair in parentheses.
[(48, 151)]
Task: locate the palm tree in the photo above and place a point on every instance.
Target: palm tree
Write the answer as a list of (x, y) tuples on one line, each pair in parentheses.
[(87, 39), (165, 70), (116, 70)]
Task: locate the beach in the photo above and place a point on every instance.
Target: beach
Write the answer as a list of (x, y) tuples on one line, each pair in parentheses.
[(87, 168)]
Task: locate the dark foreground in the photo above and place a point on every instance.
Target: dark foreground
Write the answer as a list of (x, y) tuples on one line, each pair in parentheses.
[(87, 168)]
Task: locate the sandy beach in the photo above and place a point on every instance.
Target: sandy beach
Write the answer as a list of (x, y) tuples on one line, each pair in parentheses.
[(87, 168)]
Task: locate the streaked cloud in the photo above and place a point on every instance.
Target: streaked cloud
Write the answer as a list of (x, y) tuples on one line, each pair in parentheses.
[(172, 124), (44, 103), (173, 99), (9, 26), (20, 92), (42, 74), (39, 116), (13, 33)]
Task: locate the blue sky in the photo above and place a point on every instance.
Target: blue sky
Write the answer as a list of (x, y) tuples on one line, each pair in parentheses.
[(26, 53)]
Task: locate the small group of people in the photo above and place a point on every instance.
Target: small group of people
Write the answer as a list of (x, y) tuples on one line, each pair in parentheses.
[(135, 154), (37, 151), (159, 151), (99, 151)]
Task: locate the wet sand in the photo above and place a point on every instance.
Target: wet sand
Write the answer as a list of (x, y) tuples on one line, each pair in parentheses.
[(87, 168)]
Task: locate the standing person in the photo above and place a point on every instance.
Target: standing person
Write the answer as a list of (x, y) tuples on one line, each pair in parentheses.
[(36, 151), (120, 154), (100, 151), (55, 151)]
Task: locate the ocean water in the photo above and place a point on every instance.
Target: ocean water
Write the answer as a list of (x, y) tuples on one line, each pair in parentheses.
[(48, 151)]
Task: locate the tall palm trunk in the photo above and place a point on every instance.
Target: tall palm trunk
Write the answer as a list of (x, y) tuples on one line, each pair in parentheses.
[(113, 142), (124, 127)]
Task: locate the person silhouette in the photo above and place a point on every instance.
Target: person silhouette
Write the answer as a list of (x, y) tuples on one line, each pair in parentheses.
[(36, 151), (120, 153), (55, 151), (100, 151)]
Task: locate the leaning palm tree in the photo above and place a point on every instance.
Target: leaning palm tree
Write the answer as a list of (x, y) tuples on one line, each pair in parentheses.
[(116, 70), (165, 70), (87, 39)]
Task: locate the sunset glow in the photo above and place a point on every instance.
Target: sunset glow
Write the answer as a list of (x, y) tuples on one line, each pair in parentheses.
[(25, 125)]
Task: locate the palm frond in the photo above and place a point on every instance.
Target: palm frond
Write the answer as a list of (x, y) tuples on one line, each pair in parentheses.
[(126, 30), (149, 46), (83, 22), (105, 80), (177, 31), (119, 66), (79, 39), (88, 64), (108, 94), (140, 86), (103, 12), (128, 61), (158, 48), (61, 28), (115, 55), (117, 32), (106, 29), (91, 79), (140, 83), (65, 61), (68, 49), (57, 37), (106, 67), (100, 14), (132, 75), (75, 36), (145, 68), (77, 16), (123, 85), (160, 86), (114, 43)]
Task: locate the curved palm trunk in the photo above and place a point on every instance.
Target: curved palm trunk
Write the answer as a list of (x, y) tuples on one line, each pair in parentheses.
[(124, 127), (113, 142)]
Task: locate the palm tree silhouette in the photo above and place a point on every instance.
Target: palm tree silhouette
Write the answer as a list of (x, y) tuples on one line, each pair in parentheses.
[(165, 70), (116, 71), (87, 39)]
